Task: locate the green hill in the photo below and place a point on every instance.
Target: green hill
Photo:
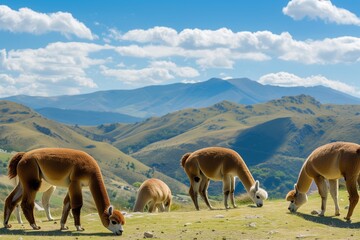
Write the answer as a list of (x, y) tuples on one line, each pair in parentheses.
[(273, 138), (22, 129)]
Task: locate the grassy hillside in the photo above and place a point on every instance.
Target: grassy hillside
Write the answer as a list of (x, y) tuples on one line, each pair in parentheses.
[(22, 129), (273, 138), (273, 221)]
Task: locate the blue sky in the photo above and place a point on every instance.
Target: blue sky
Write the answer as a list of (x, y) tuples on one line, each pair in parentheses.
[(70, 47)]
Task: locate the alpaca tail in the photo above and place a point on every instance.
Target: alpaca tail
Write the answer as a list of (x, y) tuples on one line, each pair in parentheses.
[(12, 172), (184, 158)]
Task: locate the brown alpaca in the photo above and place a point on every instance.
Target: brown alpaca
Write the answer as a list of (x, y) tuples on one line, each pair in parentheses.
[(60, 167), (220, 164), (47, 190), (153, 193), (331, 161)]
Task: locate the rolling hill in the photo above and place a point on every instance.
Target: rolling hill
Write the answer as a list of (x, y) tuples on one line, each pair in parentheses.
[(22, 129), (274, 138), (162, 99)]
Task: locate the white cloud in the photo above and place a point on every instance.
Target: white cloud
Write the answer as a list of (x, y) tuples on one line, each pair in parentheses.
[(156, 73), (222, 48), (285, 79), (29, 21), (320, 9), (65, 64)]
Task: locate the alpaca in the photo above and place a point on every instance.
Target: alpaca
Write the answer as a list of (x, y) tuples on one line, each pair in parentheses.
[(153, 193), (47, 190), (60, 167), (330, 161), (220, 164)]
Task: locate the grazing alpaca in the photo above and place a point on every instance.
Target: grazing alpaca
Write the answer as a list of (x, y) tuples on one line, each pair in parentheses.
[(47, 190), (331, 161), (153, 193), (60, 167), (220, 164)]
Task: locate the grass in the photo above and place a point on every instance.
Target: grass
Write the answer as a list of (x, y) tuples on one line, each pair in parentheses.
[(272, 221)]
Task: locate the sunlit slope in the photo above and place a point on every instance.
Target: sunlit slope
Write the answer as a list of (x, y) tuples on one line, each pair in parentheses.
[(21, 129)]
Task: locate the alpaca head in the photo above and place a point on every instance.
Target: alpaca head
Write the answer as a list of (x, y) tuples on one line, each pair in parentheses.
[(296, 199), (116, 220), (257, 194)]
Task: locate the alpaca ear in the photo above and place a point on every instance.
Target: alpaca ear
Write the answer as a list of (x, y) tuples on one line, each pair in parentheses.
[(257, 185), (110, 210), (295, 187)]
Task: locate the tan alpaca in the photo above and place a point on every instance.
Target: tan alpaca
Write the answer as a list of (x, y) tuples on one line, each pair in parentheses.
[(60, 167), (331, 161), (47, 190), (219, 164), (153, 193)]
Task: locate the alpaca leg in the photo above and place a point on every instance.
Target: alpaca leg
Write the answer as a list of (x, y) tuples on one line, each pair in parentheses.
[(226, 189), (18, 214), (65, 212), (334, 192), (323, 189), (76, 202), (167, 204), (194, 196), (353, 195), (11, 202), (17, 208), (203, 191), (152, 206), (27, 205), (232, 190), (160, 207), (29, 176), (45, 202)]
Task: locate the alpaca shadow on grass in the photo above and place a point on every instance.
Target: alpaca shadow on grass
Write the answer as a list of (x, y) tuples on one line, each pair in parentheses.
[(330, 221), (30, 232)]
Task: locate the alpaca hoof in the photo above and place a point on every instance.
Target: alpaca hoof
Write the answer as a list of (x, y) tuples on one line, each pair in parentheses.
[(79, 228), (235, 206), (337, 214), (347, 219), (64, 228), (7, 225), (35, 227)]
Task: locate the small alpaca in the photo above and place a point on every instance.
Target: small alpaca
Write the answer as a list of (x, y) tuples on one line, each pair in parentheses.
[(219, 164), (47, 190), (153, 193), (60, 167), (331, 161)]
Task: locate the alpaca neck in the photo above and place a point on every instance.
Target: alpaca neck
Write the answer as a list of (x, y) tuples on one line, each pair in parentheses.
[(101, 198), (304, 181), (245, 176)]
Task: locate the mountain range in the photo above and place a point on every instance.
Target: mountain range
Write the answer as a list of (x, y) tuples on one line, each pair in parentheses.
[(130, 106), (274, 138)]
